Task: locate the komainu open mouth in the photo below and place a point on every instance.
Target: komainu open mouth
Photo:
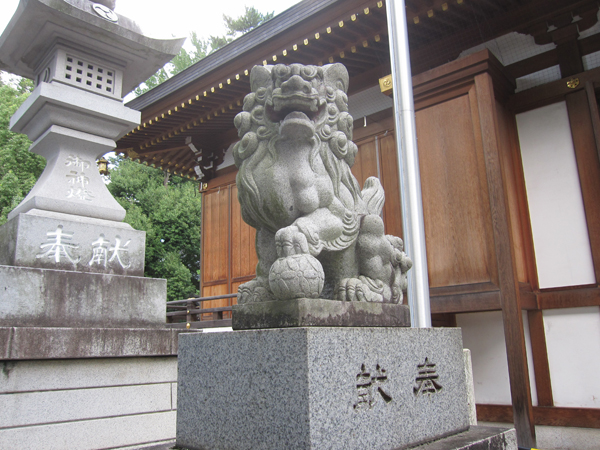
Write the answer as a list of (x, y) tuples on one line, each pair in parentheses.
[(296, 101), (297, 124)]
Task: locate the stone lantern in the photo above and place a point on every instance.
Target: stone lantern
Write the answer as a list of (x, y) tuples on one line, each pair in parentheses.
[(83, 58), (72, 291)]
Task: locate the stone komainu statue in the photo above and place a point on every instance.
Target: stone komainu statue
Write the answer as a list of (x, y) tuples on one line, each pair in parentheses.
[(318, 234)]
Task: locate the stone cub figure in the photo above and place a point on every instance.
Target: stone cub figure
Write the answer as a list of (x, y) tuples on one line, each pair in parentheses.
[(318, 234)]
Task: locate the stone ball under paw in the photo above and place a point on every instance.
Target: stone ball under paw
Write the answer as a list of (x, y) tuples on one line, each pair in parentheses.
[(297, 276)]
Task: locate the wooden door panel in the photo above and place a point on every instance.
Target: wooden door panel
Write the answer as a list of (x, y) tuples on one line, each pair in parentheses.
[(215, 228), (377, 157), (243, 252), (392, 210), (455, 200), (228, 251), (365, 164), (215, 289)]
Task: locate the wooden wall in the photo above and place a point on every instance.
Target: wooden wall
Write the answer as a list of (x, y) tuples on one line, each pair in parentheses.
[(228, 255), (471, 212), (377, 158)]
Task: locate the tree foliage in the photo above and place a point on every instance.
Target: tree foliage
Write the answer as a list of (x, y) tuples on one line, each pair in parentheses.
[(19, 168), (201, 47), (250, 20), (239, 26), (170, 214), (181, 61)]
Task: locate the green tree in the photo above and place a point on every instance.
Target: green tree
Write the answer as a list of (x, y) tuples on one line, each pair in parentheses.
[(170, 213), (201, 48), (239, 26), (19, 168), (180, 62), (246, 22)]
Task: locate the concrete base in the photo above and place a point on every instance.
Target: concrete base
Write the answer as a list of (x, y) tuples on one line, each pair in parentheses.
[(61, 298), (320, 388), (87, 403), (476, 438), (19, 343), (307, 312), (561, 438)]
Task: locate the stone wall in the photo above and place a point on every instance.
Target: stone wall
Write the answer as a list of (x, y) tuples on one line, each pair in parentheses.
[(84, 403)]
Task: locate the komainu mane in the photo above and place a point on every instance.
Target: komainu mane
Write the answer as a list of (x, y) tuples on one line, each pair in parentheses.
[(318, 234)]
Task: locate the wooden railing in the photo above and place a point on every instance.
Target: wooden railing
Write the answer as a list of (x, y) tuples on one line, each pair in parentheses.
[(191, 313)]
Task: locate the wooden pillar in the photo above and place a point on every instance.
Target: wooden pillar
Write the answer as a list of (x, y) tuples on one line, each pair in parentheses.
[(568, 52), (507, 276), (539, 353), (588, 166), (594, 112)]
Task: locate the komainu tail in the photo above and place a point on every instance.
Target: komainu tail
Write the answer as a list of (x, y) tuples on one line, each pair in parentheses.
[(373, 195)]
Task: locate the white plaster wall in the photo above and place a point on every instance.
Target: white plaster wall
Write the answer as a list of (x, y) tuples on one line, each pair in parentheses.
[(560, 235), (367, 102), (87, 404), (483, 334), (573, 343), (228, 158), (511, 47)]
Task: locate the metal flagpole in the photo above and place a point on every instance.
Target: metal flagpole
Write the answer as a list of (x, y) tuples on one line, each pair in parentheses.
[(408, 166)]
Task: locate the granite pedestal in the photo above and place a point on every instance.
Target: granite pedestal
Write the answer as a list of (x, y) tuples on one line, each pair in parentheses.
[(320, 388), (318, 312)]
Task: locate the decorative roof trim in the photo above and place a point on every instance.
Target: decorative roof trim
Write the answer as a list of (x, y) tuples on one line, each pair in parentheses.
[(255, 38)]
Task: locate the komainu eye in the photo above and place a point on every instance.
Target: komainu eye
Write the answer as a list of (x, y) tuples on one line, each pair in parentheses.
[(308, 72), (282, 71)]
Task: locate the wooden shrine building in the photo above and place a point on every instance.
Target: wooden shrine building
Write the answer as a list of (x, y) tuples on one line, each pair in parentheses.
[(506, 98)]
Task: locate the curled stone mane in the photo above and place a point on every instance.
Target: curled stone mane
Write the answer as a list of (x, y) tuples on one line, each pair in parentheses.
[(258, 126)]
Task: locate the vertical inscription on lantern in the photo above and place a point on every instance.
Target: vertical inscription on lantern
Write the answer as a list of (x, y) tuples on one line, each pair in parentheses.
[(77, 179)]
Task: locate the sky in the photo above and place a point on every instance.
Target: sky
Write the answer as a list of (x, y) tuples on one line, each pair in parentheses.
[(180, 17)]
